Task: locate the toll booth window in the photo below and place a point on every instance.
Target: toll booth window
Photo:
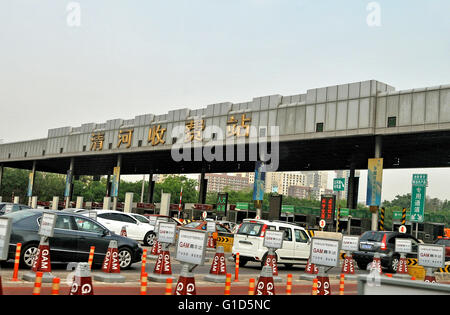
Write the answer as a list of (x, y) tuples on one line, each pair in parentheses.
[(392, 122), (287, 234), (319, 127)]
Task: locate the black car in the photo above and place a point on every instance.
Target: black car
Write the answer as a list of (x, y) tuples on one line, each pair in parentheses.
[(382, 242), (74, 235), (7, 207)]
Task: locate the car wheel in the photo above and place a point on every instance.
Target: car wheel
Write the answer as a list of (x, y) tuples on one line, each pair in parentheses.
[(149, 238), (393, 265), (125, 258), (28, 254)]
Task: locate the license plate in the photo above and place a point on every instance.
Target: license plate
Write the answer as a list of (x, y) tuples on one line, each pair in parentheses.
[(366, 246)]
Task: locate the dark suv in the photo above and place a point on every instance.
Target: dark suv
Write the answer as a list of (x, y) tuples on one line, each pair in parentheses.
[(382, 242)]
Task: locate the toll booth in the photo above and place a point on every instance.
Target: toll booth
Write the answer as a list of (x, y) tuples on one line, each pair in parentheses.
[(145, 208), (195, 213)]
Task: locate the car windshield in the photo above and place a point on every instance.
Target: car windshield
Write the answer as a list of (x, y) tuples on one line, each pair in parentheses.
[(141, 219), (193, 225), (252, 229), (372, 236)]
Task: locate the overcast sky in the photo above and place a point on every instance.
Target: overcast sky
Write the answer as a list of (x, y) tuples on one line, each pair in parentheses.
[(128, 58)]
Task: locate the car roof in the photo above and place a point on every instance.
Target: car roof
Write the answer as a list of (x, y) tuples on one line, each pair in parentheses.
[(274, 222)]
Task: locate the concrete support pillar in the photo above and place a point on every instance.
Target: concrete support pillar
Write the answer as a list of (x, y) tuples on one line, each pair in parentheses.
[(34, 201), (55, 203), (31, 183), (128, 206), (378, 149), (151, 188), (108, 186), (107, 203), (69, 183), (16, 200), (203, 189), (80, 201), (116, 198)]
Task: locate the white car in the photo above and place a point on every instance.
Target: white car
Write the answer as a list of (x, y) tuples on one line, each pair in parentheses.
[(249, 239), (136, 230)]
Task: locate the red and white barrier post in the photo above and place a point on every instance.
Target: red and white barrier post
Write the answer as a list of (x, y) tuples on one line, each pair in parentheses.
[(17, 262), (323, 283), (41, 263), (82, 281), (376, 264), (265, 285), (348, 267), (186, 282), (271, 261), (111, 266), (218, 271), (163, 267)]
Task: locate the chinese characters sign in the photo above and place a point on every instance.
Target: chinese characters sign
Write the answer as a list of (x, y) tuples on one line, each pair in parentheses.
[(156, 135), (432, 256), (374, 182), (194, 130), (47, 226), (350, 243), (234, 129), (191, 246), (125, 138), (222, 202), (418, 197), (327, 205), (403, 246), (97, 140), (324, 252), (166, 232), (273, 239)]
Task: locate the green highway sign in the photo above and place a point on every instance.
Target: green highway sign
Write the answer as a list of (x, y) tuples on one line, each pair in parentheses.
[(339, 184), (345, 212), (418, 197), (242, 206), (397, 216), (287, 208)]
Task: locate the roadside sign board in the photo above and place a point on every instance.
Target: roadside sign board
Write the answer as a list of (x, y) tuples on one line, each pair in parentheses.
[(350, 243), (287, 208), (418, 197), (5, 235), (322, 223), (152, 220), (402, 229), (374, 182), (69, 180), (403, 246), (324, 252), (339, 184), (93, 215), (159, 220), (211, 226), (48, 222), (273, 239), (327, 208), (397, 216), (115, 182), (222, 202), (345, 212), (432, 256), (167, 232), (191, 246)]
